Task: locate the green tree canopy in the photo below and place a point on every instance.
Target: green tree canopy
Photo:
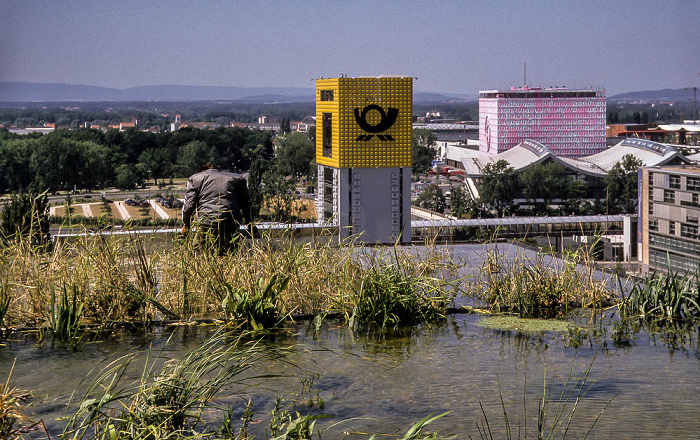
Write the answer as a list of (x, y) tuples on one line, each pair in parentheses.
[(622, 185), (424, 149), (295, 153), (498, 186), (542, 183), (459, 201), (192, 155), (432, 198)]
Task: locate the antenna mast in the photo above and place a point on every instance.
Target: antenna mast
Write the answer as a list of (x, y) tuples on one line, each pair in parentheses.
[(524, 74)]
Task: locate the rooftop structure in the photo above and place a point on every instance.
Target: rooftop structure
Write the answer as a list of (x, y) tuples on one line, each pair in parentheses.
[(529, 152), (571, 123)]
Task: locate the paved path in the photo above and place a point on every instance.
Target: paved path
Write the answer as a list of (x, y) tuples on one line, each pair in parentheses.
[(87, 210), (122, 209), (158, 209)]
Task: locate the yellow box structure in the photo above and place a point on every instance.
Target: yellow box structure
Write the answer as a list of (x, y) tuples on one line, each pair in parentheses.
[(364, 122)]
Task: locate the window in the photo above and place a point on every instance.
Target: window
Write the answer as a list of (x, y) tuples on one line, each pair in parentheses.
[(671, 228), (653, 225), (669, 196), (689, 231), (691, 219), (674, 182), (692, 184), (327, 130), (326, 95), (651, 209)]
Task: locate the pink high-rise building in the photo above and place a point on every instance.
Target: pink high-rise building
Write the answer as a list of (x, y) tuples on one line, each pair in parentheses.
[(570, 123)]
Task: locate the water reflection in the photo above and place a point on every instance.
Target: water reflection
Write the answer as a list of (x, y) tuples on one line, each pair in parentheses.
[(384, 382)]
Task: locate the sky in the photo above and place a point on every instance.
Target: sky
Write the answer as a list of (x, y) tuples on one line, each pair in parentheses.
[(448, 46)]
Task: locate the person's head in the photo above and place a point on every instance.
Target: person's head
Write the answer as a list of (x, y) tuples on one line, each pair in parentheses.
[(208, 166)]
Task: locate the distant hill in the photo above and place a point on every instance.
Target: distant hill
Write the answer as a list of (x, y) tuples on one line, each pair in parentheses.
[(55, 92), (653, 95)]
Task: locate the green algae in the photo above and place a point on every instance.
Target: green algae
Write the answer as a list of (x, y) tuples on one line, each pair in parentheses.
[(530, 325)]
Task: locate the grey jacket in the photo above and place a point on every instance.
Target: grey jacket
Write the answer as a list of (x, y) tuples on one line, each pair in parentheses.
[(217, 197)]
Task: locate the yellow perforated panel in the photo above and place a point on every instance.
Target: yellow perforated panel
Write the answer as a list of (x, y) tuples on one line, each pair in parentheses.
[(364, 122)]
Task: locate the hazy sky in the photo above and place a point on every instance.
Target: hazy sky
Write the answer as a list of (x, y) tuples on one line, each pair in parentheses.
[(449, 46)]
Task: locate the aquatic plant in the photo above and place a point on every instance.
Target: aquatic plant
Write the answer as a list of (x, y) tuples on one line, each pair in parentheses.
[(542, 287), (168, 403), (256, 310), (63, 317), (415, 432), (132, 277), (664, 295), (11, 418), (387, 296), (550, 424), (5, 298)]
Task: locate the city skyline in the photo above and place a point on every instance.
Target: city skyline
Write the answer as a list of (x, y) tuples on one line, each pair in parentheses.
[(448, 47)]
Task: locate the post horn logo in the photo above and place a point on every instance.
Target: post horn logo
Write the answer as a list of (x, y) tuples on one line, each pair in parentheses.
[(385, 123)]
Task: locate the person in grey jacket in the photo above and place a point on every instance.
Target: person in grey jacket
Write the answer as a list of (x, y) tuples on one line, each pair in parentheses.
[(221, 202)]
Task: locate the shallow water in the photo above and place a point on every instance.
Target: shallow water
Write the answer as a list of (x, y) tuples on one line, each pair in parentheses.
[(384, 384)]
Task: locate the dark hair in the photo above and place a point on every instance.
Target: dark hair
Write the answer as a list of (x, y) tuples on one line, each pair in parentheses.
[(208, 166)]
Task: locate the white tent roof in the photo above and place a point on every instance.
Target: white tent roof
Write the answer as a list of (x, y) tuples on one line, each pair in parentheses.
[(529, 152)]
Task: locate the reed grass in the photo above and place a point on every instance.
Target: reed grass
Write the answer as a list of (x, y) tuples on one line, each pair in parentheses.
[(145, 278), (174, 401), (543, 287), (12, 419), (664, 296), (63, 316), (550, 422)]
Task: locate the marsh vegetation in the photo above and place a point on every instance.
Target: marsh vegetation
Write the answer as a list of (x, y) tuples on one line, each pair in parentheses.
[(77, 288)]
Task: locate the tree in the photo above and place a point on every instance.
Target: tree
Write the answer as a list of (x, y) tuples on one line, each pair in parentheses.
[(432, 198), (459, 201), (192, 155), (622, 185), (424, 149), (255, 182), (294, 155), (127, 177), (545, 182), (278, 194), (15, 172), (576, 202), (498, 186), (155, 162)]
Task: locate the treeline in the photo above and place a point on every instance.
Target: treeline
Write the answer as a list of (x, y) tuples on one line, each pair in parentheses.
[(158, 114), (90, 159), (651, 113)]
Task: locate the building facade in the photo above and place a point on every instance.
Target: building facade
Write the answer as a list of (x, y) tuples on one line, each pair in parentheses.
[(571, 123), (669, 212)]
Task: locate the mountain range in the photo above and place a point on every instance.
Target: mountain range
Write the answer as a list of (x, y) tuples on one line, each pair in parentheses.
[(17, 91)]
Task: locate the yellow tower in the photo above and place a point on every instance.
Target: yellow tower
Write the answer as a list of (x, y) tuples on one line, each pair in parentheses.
[(363, 151)]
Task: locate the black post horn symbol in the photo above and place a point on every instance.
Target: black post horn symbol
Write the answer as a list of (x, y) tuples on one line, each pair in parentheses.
[(385, 123)]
